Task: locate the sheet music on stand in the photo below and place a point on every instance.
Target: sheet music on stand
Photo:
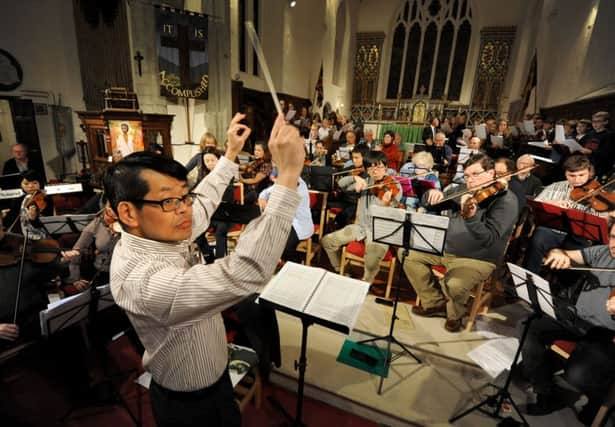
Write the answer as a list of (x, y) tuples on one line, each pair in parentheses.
[(543, 292), (68, 311), (424, 232), (62, 224)]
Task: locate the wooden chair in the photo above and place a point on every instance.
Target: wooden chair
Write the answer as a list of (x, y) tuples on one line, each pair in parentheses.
[(353, 254), (564, 349), (234, 233), (250, 388), (481, 295), (318, 200)]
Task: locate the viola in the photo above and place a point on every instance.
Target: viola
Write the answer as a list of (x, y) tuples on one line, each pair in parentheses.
[(595, 196), (254, 166), (482, 195)]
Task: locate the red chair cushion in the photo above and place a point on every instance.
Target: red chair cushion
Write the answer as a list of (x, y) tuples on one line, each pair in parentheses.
[(316, 228), (335, 210), (439, 268), (567, 346), (235, 227), (358, 249)]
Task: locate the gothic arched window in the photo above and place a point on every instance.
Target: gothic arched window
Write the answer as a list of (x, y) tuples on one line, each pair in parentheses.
[(429, 49)]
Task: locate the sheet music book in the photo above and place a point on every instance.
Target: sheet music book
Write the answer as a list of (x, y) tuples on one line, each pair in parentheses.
[(539, 144), (559, 133), (528, 125), (481, 131), (290, 115), (68, 311), (497, 141), (428, 231), (331, 300), (543, 292), (572, 145), (542, 159)]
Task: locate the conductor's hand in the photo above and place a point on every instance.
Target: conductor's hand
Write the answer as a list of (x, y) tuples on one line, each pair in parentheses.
[(434, 197), (557, 259), (237, 135), (287, 152), (9, 331)]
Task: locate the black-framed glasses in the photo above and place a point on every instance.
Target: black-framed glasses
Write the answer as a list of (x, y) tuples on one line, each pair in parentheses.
[(170, 204)]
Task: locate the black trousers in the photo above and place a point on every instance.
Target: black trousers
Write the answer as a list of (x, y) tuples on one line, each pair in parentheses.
[(211, 406), (290, 251), (590, 368)]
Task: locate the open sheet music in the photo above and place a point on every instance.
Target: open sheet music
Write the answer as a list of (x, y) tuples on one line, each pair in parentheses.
[(330, 299)]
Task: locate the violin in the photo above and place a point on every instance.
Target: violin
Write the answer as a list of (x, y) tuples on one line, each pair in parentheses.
[(253, 166), (43, 251), (38, 199), (594, 196), (482, 195), (386, 184)]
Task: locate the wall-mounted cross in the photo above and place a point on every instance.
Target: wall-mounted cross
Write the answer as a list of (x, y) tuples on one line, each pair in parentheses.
[(138, 57)]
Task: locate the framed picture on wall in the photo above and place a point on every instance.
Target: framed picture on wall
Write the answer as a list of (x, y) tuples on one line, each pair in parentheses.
[(126, 137)]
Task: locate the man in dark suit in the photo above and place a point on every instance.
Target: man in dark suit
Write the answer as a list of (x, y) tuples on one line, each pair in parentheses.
[(16, 165), (429, 132)]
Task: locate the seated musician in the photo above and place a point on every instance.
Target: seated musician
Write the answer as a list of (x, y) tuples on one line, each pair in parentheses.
[(100, 234), (24, 209), (376, 163), (255, 175), (321, 156), (349, 195), (505, 166), (310, 142), (391, 150), (530, 183), (33, 295), (421, 167), (303, 226), (474, 243), (578, 171), (590, 367), (442, 153)]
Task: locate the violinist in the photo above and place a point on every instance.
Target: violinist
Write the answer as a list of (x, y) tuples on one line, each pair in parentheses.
[(590, 367), (475, 241), (100, 234), (421, 166), (255, 175), (349, 196), (321, 155), (578, 170), (386, 195), (31, 206), (33, 294)]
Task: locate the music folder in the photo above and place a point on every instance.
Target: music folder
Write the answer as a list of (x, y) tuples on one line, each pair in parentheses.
[(326, 298), (582, 224)]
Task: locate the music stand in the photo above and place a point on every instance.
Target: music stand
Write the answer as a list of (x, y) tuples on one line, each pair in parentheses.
[(68, 311), (422, 232), (534, 290), (63, 224), (582, 224)]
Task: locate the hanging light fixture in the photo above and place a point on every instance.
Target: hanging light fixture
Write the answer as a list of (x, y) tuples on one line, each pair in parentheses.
[(292, 3)]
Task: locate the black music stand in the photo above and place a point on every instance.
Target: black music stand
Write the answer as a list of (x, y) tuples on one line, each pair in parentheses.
[(74, 309), (425, 233), (535, 291), (63, 224), (307, 320)]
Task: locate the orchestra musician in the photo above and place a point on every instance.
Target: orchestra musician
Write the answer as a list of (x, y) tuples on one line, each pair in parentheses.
[(255, 175), (578, 170), (100, 233), (388, 195), (475, 241), (33, 204), (173, 301), (349, 196), (590, 368)]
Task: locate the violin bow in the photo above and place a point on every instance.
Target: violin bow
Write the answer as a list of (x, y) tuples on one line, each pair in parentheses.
[(466, 191), (20, 275)]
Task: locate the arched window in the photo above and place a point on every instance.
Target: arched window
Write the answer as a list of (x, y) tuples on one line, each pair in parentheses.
[(429, 49)]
